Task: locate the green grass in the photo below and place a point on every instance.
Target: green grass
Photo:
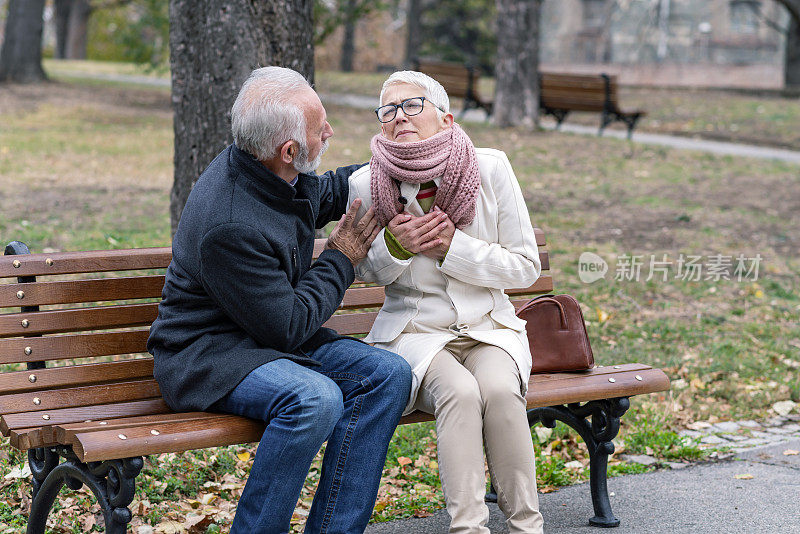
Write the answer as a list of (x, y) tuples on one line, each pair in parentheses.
[(663, 444)]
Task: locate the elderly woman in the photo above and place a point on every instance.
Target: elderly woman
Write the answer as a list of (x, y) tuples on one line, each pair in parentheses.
[(456, 234)]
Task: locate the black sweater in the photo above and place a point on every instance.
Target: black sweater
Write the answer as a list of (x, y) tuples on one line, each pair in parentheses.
[(241, 290)]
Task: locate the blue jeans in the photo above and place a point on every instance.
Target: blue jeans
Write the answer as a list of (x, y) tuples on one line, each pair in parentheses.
[(354, 401)]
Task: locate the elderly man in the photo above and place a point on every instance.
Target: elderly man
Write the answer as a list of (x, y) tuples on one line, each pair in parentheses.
[(239, 329)]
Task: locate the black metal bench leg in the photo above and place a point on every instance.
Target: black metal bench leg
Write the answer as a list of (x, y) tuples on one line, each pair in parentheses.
[(112, 482), (605, 120), (631, 122), (597, 434)]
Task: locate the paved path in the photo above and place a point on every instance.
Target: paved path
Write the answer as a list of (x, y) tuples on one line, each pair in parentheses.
[(703, 498), (365, 102)]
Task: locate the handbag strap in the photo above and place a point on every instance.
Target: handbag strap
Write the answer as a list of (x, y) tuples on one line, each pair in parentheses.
[(561, 311)]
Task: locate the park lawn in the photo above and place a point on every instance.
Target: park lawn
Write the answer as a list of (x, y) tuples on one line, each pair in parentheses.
[(738, 116), (89, 166)]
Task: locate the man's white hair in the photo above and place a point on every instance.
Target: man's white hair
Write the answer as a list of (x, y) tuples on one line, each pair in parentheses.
[(265, 115), (432, 89)]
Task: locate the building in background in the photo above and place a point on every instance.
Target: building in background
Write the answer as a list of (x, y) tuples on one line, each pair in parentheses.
[(734, 43), (724, 32)]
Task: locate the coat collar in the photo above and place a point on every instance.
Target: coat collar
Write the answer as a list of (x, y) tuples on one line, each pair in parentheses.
[(409, 191), (266, 182)]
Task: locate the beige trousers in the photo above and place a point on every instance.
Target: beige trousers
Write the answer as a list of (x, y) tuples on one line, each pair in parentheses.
[(473, 390)]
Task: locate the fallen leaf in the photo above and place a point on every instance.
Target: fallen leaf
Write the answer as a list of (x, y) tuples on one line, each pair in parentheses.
[(402, 460), (243, 455), (88, 521), (19, 472), (745, 476), (422, 513), (197, 524), (169, 527), (543, 433)]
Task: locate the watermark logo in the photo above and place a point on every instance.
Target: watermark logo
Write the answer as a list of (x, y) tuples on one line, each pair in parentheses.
[(591, 267), (686, 267)]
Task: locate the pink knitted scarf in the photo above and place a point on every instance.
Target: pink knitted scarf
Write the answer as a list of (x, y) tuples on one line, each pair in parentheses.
[(448, 154)]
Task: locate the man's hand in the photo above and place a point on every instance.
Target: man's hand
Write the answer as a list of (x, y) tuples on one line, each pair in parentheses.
[(418, 234), (444, 238), (354, 239)]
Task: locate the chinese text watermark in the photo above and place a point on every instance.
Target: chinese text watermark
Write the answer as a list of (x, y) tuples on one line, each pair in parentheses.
[(686, 267)]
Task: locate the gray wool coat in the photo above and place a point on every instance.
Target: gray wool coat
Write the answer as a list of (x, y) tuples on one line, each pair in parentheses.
[(241, 289)]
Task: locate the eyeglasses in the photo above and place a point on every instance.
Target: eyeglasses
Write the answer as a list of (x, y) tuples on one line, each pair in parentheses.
[(411, 106)]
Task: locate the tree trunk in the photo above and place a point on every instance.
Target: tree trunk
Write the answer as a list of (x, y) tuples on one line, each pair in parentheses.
[(791, 73), (214, 45), (516, 98), (413, 35), (63, 9), (349, 40), (78, 29), (21, 55)]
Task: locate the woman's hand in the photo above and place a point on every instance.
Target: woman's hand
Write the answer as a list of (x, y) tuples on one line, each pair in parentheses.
[(445, 237), (418, 234)]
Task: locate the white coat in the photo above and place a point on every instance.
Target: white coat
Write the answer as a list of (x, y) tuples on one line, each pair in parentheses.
[(496, 251)]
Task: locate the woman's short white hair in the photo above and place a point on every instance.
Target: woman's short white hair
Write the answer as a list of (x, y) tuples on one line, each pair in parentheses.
[(432, 89), (265, 115)]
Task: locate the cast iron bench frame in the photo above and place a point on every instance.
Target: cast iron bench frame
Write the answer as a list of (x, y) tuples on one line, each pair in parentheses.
[(103, 417)]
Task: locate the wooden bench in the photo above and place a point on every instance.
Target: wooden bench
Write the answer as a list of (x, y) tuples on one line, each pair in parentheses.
[(460, 81), (558, 93), (561, 93), (90, 418)]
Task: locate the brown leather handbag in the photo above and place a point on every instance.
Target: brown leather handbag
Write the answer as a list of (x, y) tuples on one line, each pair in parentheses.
[(557, 334)]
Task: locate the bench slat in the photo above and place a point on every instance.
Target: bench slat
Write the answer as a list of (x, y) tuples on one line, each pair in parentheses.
[(27, 438), (74, 375), (595, 387), (105, 445), (139, 440), (73, 346), (97, 261), (72, 320), (549, 378), (94, 261), (72, 291), (555, 389), (56, 399), (16, 421), (65, 433)]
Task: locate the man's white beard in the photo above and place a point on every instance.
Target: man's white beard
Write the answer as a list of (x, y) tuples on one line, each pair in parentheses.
[(301, 163)]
